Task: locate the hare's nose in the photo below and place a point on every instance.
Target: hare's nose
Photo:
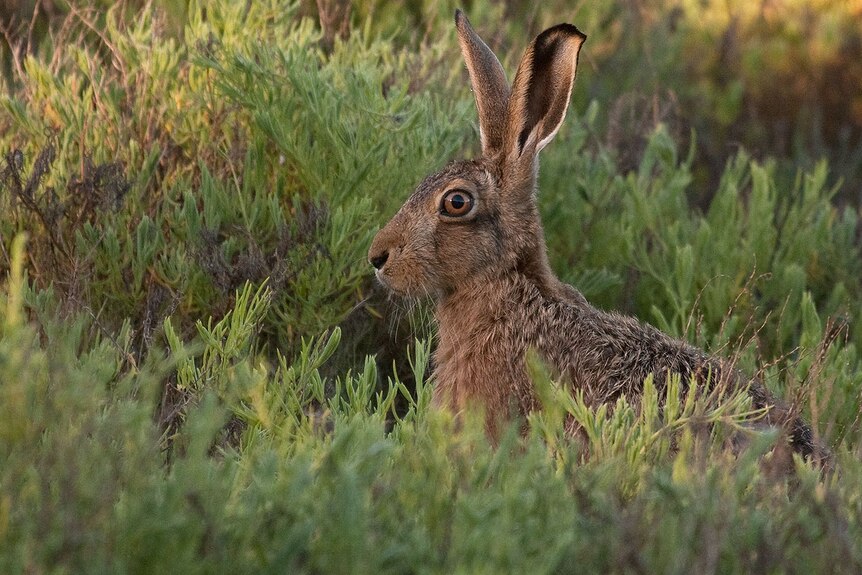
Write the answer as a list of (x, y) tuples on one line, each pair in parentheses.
[(379, 260)]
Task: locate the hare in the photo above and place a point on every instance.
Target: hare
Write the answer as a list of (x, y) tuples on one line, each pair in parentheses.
[(470, 237)]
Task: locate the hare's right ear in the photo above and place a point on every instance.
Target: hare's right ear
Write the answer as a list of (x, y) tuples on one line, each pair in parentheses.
[(490, 87), (540, 93)]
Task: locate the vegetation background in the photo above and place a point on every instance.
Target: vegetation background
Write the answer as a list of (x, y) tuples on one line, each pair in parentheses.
[(198, 374)]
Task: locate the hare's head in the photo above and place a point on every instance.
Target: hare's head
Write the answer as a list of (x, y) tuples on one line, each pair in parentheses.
[(479, 218)]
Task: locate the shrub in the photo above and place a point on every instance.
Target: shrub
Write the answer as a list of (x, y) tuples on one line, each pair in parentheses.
[(188, 325)]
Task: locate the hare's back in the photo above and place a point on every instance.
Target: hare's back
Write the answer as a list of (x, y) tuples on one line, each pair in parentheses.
[(608, 354)]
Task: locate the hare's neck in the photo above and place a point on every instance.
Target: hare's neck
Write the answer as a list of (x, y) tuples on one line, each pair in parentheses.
[(474, 303), (485, 327), (532, 263), (484, 311), (475, 356), (487, 302)]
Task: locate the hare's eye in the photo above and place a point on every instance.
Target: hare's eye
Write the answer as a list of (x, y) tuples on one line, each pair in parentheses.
[(456, 203)]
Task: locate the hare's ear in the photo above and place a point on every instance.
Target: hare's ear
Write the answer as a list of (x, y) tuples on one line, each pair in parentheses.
[(490, 87), (541, 90)]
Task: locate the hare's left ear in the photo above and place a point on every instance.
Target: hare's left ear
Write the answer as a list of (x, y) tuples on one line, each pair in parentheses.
[(541, 91), (490, 87)]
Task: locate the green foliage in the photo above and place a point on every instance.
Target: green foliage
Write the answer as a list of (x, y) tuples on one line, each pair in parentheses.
[(187, 321), (286, 181), (318, 483)]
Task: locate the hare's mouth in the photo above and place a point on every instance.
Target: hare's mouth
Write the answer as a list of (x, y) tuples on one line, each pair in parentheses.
[(386, 282), (397, 288), (381, 277)]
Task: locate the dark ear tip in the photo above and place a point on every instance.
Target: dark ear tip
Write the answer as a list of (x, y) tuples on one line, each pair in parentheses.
[(458, 16), (566, 29), (578, 33)]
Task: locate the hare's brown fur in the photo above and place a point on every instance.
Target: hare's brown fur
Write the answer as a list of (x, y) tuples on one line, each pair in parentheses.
[(496, 295)]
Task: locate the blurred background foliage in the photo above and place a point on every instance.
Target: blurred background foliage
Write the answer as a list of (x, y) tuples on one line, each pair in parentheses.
[(779, 78), (194, 356)]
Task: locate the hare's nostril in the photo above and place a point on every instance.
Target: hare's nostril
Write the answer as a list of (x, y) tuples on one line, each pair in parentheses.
[(379, 261)]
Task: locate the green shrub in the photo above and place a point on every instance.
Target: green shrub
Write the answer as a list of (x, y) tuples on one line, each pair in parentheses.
[(187, 322)]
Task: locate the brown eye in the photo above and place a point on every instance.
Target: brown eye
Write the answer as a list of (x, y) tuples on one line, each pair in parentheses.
[(456, 203)]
